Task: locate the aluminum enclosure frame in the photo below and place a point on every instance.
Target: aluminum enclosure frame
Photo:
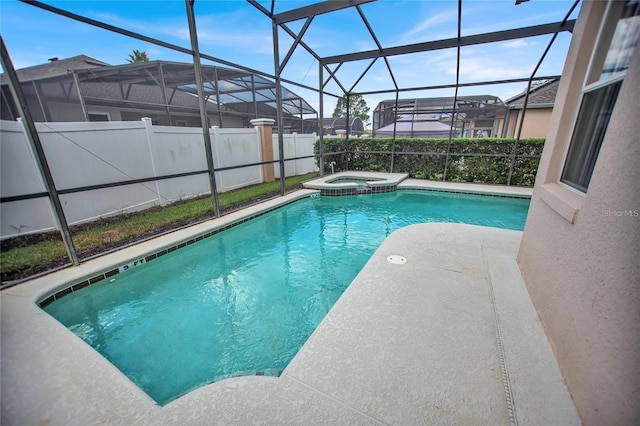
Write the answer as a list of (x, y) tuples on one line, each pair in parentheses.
[(308, 13), (280, 20)]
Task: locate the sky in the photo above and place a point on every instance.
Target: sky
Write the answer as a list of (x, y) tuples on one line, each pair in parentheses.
[(235, 31)]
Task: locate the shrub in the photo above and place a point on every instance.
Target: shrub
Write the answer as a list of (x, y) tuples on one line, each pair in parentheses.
[(426, 158)]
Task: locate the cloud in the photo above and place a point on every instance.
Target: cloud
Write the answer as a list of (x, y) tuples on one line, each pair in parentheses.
[(476, 65), (214, 30), (488, 68), (514, 44), (431, 21), (471, 26)]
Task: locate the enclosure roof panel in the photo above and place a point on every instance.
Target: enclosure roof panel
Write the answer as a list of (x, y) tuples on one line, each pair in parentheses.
[(442, 103), (235, 87), (417, 127), (313, 31)]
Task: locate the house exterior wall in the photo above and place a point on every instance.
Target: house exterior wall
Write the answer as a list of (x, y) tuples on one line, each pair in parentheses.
[(580, 253), (536, 123), (511, 124)]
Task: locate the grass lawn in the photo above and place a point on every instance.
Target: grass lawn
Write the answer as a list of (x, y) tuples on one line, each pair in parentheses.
[(24, 257)]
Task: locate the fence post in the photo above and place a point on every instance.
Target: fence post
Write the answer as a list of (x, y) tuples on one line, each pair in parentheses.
[(295, 153), (148, 129), (216, 141), (342, 134), (265, 130)]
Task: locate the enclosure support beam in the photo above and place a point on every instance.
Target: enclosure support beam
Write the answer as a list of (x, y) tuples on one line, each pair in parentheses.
[(204, 118), (452, 85), (45, 111), (295, 44), (321, 119), (163, 87), (526, 96), (295, 37), (471, 40), (151, 40), (217, 82), (277, 69), (41, 158), (346, 142), (524, 109), (315, 9), (253, 96), (455, 96), (83, 104), (393, 139)]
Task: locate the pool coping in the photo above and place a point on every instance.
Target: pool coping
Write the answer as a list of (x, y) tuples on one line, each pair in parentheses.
[(467, 188), (376, 182), (51, 375)]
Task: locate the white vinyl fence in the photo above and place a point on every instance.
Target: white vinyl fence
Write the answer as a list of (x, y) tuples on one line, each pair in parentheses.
[(295, 146), (93, 154)]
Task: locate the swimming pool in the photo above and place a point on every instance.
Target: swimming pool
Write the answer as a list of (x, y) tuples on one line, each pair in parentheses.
[(243, 301)]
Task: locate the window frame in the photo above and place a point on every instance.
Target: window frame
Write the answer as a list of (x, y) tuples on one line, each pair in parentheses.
[(100, 113), (593, 82)]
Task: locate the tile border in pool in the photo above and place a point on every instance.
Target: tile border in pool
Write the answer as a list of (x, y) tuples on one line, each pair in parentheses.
[(519, 196), (338, 192), (467, 188), (388, 182), (412, 184)]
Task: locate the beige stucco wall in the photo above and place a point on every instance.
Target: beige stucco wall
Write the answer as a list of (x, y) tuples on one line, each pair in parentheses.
[(580, 255), (536, 123)]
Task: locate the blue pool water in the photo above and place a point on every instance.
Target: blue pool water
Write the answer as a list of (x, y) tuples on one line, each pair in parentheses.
[(244, 301), (360, 182)]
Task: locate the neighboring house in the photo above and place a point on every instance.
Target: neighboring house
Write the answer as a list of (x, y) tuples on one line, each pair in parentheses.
[(31, 79), (85, 89), (417, 126), (475, 116), (580, 251), (331, 124), (538, 115)]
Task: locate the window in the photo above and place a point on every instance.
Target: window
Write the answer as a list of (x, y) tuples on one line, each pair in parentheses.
[(99, 116), (609, 63)]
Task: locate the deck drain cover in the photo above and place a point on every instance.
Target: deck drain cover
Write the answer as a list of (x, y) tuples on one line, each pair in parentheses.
[(396, 259)]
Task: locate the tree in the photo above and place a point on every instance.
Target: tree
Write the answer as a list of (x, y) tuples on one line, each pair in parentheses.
[(138, 56), (357, 108)]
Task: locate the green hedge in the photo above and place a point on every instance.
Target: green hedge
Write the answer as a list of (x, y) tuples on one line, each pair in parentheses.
[(426, 158)]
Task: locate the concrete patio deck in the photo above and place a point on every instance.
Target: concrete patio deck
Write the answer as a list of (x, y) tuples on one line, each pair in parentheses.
[(449, 337)]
